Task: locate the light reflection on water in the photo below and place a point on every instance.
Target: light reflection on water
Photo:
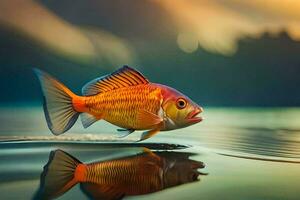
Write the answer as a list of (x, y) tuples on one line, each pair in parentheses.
[(143, 173), (240, 148)]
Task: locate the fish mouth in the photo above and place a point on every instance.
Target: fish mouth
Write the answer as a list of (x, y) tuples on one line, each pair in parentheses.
[(194, 117)]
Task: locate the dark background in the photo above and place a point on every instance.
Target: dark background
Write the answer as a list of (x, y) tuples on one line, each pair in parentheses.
[(263, 72)]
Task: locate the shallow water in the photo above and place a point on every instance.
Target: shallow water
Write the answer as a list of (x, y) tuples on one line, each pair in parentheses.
[(251, 153)]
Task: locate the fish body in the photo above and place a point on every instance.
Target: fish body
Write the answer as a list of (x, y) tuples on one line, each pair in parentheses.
[(124, 98), (122, 107), (113, 179), (129, 176)]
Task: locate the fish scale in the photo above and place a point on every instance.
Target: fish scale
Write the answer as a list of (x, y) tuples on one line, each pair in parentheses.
[(124, 98), (121, 106), (109, 173)]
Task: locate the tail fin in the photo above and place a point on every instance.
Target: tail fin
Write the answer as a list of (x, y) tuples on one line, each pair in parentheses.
[(58, 175), (58, 108)]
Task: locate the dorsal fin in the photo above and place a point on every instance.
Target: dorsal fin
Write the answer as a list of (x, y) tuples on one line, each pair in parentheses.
[(123, 77)]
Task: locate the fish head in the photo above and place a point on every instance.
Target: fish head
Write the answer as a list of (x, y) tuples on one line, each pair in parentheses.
[(180, 111)]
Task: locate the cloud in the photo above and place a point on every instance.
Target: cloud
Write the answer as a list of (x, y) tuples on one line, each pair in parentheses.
[(218, 25), (88, 45)]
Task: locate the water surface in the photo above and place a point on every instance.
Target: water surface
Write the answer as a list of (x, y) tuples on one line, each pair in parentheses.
[(251, 153)]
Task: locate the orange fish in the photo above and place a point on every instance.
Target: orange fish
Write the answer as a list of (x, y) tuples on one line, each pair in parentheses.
[(113, 179), (124, 98)]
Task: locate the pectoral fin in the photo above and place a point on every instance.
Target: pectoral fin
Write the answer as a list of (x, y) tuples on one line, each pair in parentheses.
[(148, 119)]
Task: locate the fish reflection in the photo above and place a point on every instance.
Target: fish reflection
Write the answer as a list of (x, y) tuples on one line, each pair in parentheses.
[(113, 179)]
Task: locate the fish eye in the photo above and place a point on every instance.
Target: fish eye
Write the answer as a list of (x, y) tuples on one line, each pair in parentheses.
[(181, 103)]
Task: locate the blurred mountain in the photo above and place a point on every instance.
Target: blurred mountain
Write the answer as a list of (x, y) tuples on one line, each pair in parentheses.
[(263, 72)]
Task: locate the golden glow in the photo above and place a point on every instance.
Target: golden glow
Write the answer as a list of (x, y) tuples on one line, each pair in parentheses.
[(188, 42), (218, 25), (40, 24)]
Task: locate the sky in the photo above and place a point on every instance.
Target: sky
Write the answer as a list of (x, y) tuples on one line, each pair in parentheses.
[(218, 52)]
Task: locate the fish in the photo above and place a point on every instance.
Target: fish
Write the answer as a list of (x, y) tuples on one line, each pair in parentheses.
[(125, 98), (143, 173)]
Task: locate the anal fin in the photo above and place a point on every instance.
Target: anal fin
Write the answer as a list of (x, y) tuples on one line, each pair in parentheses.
[(88, 119)]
